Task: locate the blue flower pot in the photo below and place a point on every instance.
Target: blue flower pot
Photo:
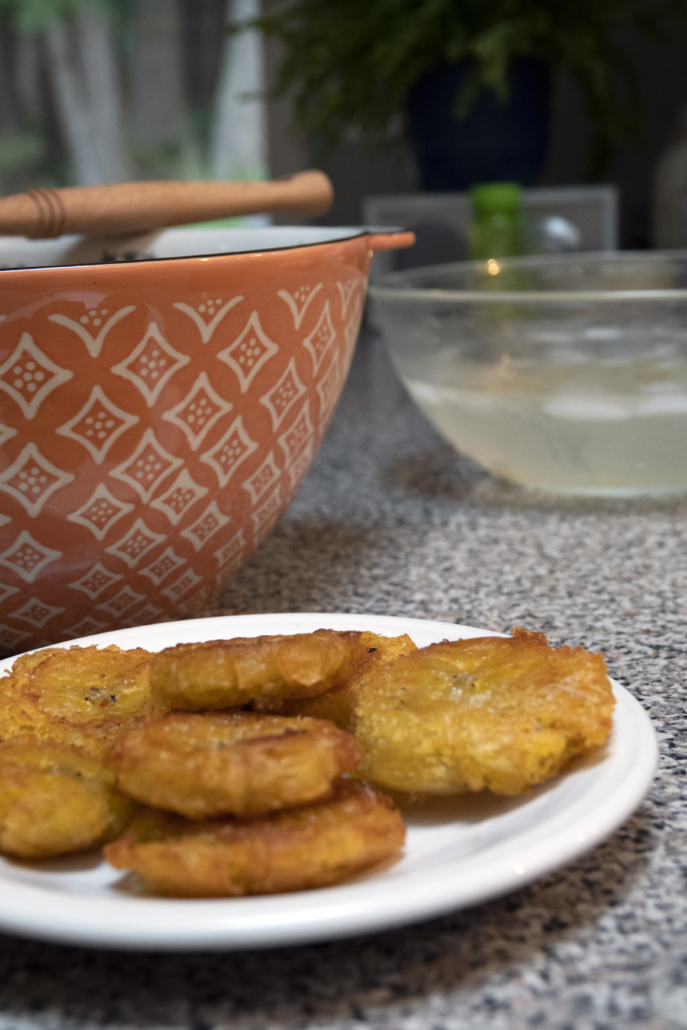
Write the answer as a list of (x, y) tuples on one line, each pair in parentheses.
[(495, 142)]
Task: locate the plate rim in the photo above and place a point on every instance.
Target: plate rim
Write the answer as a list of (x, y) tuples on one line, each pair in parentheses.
[(44, 912)]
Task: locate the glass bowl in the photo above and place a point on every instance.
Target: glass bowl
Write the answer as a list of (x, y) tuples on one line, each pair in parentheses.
[(565, 373)]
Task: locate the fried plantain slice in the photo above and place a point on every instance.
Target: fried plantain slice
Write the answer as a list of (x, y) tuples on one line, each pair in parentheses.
[(55, 800), (77, 695), (338, 703), (203, 766), (299, 849), (491, 712), (229, 673)]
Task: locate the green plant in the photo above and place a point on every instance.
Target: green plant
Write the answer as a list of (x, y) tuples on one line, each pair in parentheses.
[(351, 63), (21, 148), (35, 15)]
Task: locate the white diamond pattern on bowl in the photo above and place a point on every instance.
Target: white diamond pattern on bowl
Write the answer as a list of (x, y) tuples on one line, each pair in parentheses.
[(294, 438), (10, 637), (7, 591), (99, 423), (167, 468), (84, 627), (283, 395), (265, 516), (182, 585), (229, 550), (36, 612), (321, 338), (249, 352), (300, 463), (351, 328), (97, 579), (328, 389), (147, 466), (6, 433), (32, 479), (206, 329), (200, 531), (151, 364), (93, 317), (197, 413), (28, 376), (121, 602), (162, 566), (298, 301), (226, 456), (182, 495), (134, 544), (346, 291), (262, 480), (145, 616), (28, 557), (100, 512), (190, 603)]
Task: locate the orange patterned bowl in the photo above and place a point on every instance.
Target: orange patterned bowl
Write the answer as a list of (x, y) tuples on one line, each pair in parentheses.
[(157, 416)]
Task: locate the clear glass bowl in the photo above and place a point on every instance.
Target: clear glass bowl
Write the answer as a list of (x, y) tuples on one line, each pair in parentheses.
[(564, 373)]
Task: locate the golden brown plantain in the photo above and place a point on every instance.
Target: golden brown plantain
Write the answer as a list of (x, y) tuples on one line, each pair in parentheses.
[(490, 712), (338, 703), (77, 695), (308, 847), (237, 763), (229, 673), (55, 799)]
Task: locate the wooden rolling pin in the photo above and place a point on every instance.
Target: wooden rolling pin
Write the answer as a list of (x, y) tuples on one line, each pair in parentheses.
[(134, 207)]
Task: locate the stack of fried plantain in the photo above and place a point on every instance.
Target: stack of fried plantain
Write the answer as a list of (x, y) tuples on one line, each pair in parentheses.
[(246, 802), (230, 760), (224, 801)]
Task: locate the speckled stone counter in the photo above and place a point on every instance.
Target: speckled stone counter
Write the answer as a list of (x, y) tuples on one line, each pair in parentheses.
[(391, 521)]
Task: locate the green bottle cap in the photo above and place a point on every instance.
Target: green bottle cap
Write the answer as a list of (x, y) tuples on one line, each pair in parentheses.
[(496, 197)]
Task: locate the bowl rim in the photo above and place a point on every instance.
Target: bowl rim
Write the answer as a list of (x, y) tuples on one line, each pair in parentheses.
[(335, 234), (390, 285)]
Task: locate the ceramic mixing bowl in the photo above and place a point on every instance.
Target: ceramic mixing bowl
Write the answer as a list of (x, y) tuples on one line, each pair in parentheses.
[(564, 373), (157, 415)]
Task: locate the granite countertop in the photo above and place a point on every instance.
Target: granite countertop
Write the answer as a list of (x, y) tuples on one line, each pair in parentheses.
[(391, 521)]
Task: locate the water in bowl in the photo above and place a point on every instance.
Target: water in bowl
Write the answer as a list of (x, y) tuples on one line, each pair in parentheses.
[(600, 428)]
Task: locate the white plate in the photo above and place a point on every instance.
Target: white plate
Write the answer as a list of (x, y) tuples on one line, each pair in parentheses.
[(458, 853)]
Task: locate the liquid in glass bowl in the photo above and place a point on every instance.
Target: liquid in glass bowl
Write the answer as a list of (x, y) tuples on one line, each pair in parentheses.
[(568, 374)]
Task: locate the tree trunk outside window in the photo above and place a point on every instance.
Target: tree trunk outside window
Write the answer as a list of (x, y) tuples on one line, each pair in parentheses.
[(83, 73)]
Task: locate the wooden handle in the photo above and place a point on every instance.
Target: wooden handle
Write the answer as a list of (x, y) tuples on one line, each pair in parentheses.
[(131, 207)]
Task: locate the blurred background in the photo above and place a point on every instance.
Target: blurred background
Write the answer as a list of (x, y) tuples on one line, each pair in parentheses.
[(94, 92), (107, 90)]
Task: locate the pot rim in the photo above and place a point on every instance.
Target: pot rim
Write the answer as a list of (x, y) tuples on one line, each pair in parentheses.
[(334, 235)]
